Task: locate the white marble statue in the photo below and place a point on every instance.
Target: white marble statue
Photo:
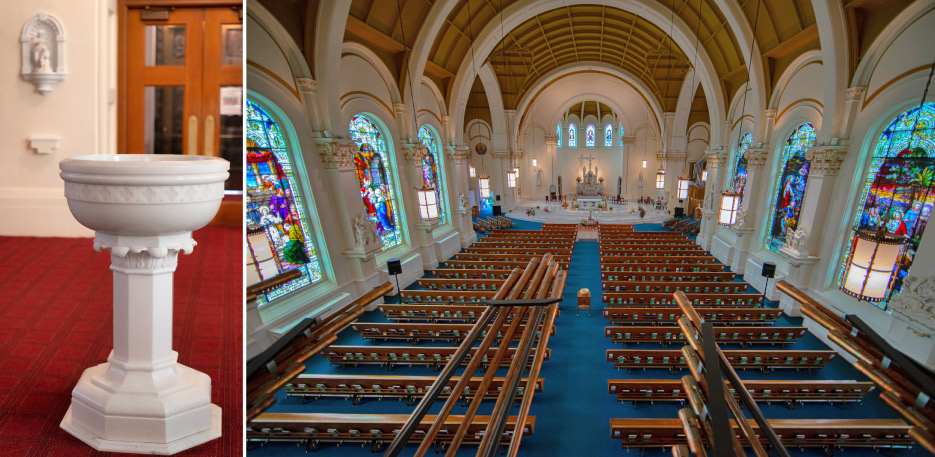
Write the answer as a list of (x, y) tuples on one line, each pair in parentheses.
[(795, 242), (461, 201), (365, 233), (41, 54)]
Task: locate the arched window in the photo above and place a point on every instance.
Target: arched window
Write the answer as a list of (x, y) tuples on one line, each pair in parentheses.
[(620, 129), (558, 132), (790, 187), (430, 168), (376, 183), (899, 191), (277, 232), (608, 136), (740, 170), (572, 136), (589, 138)]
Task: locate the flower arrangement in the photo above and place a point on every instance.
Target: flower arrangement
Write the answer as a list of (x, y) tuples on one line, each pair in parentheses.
[(600, 180), (589, 222), (531, 212), (576, 206), (578, 179)]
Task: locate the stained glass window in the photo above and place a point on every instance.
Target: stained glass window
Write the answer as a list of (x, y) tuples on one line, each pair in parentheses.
[(558, 132), (608, 136), (430, 168), (790, 187), (899, 191), (620, 129), (740, 170), (277, 232), (589, 139), (376, 182), (572, 136)]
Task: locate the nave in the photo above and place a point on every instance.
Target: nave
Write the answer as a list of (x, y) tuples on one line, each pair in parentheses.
[(576, 408)]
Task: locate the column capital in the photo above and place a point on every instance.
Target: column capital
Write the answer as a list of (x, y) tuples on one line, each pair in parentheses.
[(770, 114), (551, 140), (671, 155), (306, 85), (825, 160), (413, 153), (462, 154), (855, 93), (501, 154), (757, 158), (335, 153), (629, 139)]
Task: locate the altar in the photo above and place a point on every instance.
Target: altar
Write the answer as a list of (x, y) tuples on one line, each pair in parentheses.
[(589, 192)]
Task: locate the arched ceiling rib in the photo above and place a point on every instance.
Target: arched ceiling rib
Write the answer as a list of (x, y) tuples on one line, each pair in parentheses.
[(595, 32), (589, 108)]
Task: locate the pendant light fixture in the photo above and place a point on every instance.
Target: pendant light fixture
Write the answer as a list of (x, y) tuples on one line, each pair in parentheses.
[(870, 268), (731, 199), (428, 203), (644, 161), (661, 178), (684, 180), (483, 185), (472, 172), (511, 179), (704, 174)]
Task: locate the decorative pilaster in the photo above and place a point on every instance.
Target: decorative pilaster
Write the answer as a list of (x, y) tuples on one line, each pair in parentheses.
[(825, 160), (308, 93), (337, 157), (750, 211), (824, 165), (412, 179), (717, 171)]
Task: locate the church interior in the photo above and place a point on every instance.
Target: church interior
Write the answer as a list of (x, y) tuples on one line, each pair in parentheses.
[(590, 227)]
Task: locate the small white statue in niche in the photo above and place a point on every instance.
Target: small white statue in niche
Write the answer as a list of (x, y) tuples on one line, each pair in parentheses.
[(41, 54), (43, 51)]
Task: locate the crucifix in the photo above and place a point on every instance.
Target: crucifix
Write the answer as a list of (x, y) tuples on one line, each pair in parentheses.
[(589, 159)]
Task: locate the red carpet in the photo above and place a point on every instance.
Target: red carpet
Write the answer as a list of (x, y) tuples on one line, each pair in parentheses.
[(55, 321)]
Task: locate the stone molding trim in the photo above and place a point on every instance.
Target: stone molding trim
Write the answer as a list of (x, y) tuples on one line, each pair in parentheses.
[(144, 195), (145, 257), (413, 153), (915, 304), (757, 158)]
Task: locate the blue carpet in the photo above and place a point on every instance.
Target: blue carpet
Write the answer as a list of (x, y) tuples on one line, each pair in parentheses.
[(574, 409)]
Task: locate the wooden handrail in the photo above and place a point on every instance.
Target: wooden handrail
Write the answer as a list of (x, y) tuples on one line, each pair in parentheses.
[(271, 283), (899, 392)]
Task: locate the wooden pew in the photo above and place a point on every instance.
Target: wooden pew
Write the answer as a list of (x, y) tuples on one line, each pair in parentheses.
[(492, 265), (459, 284), (675, 276), (445, 296), (471, 273), (670, 315), (373, 430), (759, 359), (565, 258), (392, 356), (741, 335), (552, 231), (525, 243), (697, 287), (479, 228), (830, 433), (649, 267), (434, 313), (657, 259), (417, 332), (663, 299), (410, 388), (782, 391), (504, 222), (520, 250), (681, 244)]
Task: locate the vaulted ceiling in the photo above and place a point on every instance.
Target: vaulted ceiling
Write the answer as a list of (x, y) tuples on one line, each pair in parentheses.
[(586, 32)]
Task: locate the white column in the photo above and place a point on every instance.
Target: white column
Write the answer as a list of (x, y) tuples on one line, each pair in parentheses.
[(717, 177), (420, 232), (750, 211)]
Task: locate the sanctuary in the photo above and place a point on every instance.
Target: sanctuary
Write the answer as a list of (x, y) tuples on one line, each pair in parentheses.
[(433, 185)]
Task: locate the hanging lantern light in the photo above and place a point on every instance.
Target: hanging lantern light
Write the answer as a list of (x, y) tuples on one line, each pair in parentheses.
[(511, 179), (869, 270), (534, 161), (683, 187), (516, 172), (472, 172), (428, 203), (483, 185), (704, 175), (644, 164), (730, 206), (660, 179)]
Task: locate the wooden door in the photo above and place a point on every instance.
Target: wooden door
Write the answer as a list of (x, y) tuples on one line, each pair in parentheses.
[(181, 85)]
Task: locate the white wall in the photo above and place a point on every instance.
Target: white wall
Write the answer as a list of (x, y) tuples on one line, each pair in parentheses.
[(79, 111)]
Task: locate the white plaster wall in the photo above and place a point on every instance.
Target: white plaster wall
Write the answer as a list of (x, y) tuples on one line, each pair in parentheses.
[(263, 52), (360, 76), (80, 111), (905, 53), (801, 89)]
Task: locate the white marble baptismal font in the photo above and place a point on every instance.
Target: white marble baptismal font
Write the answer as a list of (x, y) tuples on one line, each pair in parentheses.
[(143, 209)]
